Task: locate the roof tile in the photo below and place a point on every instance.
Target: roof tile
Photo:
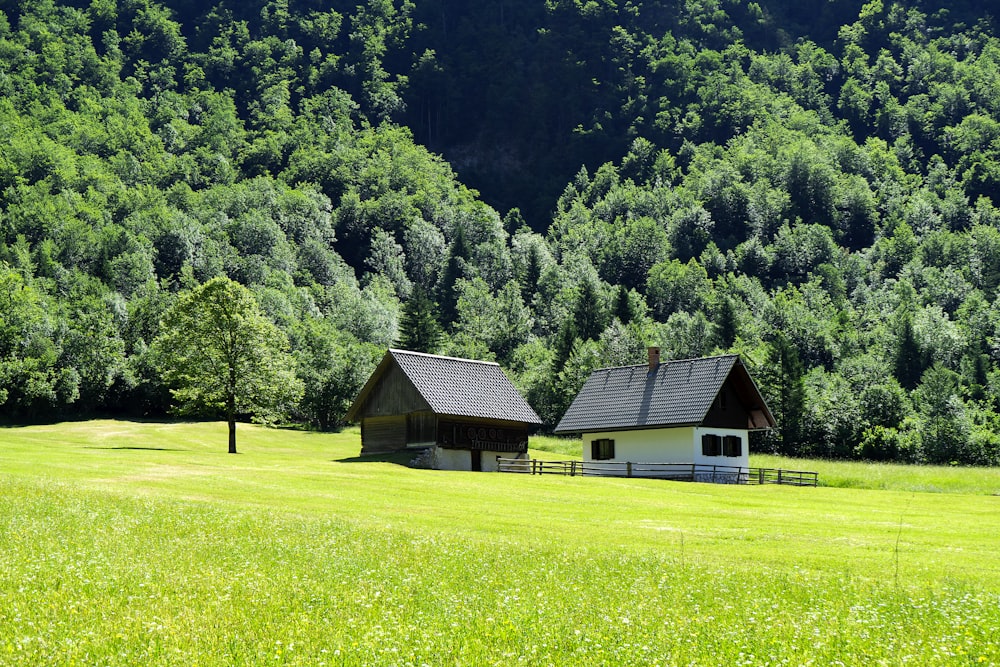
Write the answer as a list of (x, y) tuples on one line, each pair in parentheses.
[(674, 393), (464, 387)]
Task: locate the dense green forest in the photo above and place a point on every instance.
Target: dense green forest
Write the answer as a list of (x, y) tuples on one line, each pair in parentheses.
[(553, 184)]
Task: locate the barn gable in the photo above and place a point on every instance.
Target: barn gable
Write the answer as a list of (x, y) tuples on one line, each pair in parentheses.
[(406, 382), (387, 393)]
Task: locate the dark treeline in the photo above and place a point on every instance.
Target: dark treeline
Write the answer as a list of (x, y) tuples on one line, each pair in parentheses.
[(813, 185)]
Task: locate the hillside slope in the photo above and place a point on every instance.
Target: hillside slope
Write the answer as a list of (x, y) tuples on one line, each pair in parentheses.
[(703, 175)]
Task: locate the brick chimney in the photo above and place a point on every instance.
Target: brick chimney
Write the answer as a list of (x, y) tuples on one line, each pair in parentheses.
[(654, 357)]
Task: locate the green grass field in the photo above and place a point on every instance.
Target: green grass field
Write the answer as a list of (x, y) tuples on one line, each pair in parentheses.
[(126, 543)]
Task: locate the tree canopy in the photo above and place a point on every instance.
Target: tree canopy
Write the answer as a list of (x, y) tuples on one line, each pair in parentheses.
[(568, 181)]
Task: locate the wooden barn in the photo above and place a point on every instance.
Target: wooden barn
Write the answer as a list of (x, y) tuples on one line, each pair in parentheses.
[(466, 411), (694, 411)]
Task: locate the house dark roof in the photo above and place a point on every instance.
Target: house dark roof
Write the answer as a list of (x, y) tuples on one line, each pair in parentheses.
[(674, 393), (452, 386)]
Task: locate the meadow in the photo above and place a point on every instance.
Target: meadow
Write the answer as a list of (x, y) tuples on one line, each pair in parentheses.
[(129, 543)]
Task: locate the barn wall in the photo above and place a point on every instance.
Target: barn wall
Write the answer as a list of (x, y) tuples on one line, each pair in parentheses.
[(490, 459), (421, 428), (483, 434), (452, 459), (383, 434)]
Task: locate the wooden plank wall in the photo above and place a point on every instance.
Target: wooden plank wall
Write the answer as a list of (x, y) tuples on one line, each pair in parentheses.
[(383, 434)]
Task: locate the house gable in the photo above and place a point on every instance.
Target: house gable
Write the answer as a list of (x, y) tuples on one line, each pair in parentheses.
[(728, 410), (738, 404)]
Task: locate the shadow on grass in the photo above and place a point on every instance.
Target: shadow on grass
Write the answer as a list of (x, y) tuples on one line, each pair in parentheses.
[(52, 420), (398, 458), (144, 449)]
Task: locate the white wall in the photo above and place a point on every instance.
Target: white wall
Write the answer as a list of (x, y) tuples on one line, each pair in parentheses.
[(490, 459), (451, 459), (460, 459), (668, 445), (655, 445), (743, 460)]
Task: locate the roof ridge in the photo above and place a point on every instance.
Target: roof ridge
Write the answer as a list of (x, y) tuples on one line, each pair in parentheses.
[(396, 350), (668, 362)]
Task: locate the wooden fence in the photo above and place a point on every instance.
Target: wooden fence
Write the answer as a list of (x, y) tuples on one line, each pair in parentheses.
[(684, 472)]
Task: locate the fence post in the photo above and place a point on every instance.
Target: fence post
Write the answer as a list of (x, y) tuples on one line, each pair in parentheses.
[(760, 475), (779, 476), (628, 468), (572, 468)]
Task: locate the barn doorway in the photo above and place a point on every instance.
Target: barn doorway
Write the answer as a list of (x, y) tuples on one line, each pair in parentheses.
[(476, 464)]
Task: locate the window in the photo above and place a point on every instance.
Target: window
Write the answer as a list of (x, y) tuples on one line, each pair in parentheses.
[(722, 400), (711, 445), (602, 450), (732, 445)]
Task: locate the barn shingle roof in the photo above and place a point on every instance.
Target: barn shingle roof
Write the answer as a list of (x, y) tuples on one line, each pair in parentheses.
[(674, 393), (457, 387)]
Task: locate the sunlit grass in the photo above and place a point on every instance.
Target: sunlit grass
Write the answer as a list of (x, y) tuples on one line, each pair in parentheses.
[(843, 474), (898, 477), (563, 448), (129, 543)]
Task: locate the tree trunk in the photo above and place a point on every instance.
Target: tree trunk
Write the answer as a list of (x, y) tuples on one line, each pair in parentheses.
[(231, 417)]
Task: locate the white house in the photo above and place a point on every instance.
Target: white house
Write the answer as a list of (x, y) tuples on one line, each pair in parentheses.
[(693, 411)]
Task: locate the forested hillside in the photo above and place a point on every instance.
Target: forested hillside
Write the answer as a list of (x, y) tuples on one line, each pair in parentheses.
[(813, 185)]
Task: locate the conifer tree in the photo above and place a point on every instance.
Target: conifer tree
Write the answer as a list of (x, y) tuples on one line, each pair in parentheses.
[(725, 322), (419, 330), (791, 394), (589, 317), (908, 362), (623, 308), (532, 273), (454, 270), (566, 338)]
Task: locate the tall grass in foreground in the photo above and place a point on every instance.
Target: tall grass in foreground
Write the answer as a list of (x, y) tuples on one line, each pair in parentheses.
[(95, 579), (126, 544)]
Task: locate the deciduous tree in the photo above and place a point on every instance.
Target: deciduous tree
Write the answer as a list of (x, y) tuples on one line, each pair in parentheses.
[(220, 355)]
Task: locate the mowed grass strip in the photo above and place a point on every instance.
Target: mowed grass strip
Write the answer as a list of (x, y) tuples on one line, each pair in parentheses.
[(128, 543)]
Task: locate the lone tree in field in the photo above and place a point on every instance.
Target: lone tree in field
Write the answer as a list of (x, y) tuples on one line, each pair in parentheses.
[(220, 355)]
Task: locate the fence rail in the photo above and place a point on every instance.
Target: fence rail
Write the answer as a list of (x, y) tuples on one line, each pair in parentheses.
[(685, 472)]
